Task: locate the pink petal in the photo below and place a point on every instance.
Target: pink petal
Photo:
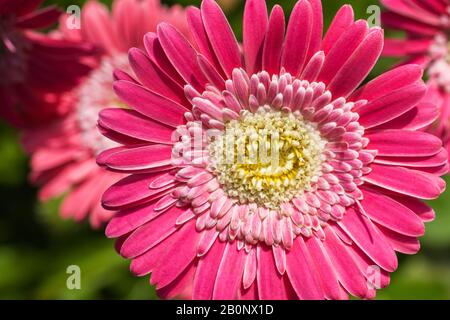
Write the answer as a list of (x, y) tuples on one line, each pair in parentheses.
[(391, 106), (325, 269), (343, 48), (415, 162), (403, 143), (194, 18), (211, 73), (146, 262), (358, 65), (132, 124), (150, 104), (221, 36), (96, 26), (129, 190), (140, 158), (341, 22), (400, 242), (424, 211), (273, 42), (177, 257), (181, 286), (389, 81), (317, 28), (129, 219), (250, 270), (347, 271), (205, 275), (313, 68), (302, 272), (154, 78), (39, 19), (413, 11), (298, 37), (85, 196), (421, 116), (254, 32), (405, 47), (368, 239), (181, 54), (279, 254), (405, 181), (395, 21), (391, 214), (229, 275), (249, 294), (157, 54), (150, 234), (270, 283)]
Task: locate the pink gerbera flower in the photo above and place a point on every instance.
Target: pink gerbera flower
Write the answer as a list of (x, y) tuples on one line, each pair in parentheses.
[(427, 26), (322, 220), (63, 153), (35, 68)]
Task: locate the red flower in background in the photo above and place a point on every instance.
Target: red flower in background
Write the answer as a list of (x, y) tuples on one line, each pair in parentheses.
[(342, 198), (35, 68), (427, 27), (63, 153)]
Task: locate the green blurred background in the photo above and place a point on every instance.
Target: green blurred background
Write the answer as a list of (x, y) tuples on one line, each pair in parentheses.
[(36, 246)]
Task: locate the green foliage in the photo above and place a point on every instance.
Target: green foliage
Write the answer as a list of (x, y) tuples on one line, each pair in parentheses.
[(36, 246)]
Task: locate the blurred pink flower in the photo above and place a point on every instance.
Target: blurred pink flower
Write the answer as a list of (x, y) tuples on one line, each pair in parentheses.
[(427, 25), (325, 220), (35, 68), (63, 153)]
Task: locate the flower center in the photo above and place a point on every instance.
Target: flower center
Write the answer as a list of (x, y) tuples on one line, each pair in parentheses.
[(93, 95), (267, 157)]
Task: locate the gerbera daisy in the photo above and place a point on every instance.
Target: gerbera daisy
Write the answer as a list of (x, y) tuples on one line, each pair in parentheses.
[(427, 26), (63, 153), (35, 68), (322, 218)]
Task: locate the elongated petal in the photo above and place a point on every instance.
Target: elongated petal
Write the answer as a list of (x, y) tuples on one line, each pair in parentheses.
[(307, 283), (229, 274), (419, 117), (341, 51), (388, 82), (150, 234), (405, 181), (298, 38), (392, 143), (205, 275), (358, 65), (130, 189), (325, 269), (172, 265), (273, 42), (154, 78), (391, 214), (181, 54), (270, 282), (254, 30), (391, 106), (131, 123), (368, 239), (146, 157), (221, 37), (150, 104), (342, 21), (348, 273)]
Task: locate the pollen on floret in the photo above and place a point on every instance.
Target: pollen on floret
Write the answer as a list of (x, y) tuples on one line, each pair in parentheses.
[(267, 157)]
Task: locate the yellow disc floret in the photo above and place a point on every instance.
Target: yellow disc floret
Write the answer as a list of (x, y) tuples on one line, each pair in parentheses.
[(267, 157)]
